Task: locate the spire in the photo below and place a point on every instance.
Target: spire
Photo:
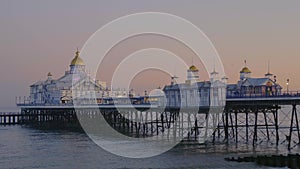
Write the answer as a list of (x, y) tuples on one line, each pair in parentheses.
[(268, 66), (192, 60), (214, 68), (193, 67), (214, 73), (268, 74)]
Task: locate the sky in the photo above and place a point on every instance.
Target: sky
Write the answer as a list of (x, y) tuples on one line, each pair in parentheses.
[(41, 36)]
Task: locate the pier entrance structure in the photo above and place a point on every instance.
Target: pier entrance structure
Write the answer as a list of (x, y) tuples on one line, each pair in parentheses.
[(59, 91)]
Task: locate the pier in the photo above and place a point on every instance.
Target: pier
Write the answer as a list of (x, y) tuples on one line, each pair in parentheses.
[(245, 119), (253, 113), (262, 114)]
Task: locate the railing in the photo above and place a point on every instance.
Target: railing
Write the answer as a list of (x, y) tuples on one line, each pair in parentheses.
[(26, 102), (22, 100), (45, 104), (102, 101), (285, 94), (9, 113), (71, 104)]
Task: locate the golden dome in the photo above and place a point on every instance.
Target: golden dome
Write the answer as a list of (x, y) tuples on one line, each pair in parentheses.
[(193, 68), (49, 74), (77, 60), (245, 70)]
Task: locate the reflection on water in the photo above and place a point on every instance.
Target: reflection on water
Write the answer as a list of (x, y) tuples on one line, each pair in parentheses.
[(27, 147)]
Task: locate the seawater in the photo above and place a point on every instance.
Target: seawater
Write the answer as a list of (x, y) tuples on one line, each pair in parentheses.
[(30, 147), (23, 147)]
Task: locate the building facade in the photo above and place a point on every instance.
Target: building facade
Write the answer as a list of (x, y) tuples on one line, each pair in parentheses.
[(212, 93), (195, 93), (76, 79), (248, 86)]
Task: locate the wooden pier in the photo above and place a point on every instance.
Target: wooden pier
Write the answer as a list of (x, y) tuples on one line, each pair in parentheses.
[(248, 120)]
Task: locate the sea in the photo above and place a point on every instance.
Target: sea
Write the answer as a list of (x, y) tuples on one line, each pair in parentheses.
[(26, 147)]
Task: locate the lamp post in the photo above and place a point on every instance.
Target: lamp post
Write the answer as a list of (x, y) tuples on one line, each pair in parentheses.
[(287, 85)]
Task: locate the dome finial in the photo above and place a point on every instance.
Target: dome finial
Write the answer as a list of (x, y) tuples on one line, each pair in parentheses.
[(77, 60), (192, 60), (245, 69), (77, 52)]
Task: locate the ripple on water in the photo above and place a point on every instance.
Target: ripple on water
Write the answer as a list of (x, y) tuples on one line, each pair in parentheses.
[(24, 147)]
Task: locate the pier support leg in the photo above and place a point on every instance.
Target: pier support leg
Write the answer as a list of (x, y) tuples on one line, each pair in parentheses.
[(162, 122), (266, 124), (231, 123), (236, 126), (275, 114), (247, 125), (226, 126), (156, 123), (294, 116), (255, 128)]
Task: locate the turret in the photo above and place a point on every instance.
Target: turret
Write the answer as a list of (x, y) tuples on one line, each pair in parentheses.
[(245, 72), (213, 75), (268, 74), (192, 74), (49, 76), (77, 64)]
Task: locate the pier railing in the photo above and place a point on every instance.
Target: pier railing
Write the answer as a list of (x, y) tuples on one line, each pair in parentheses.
[(281, 95), (44, 104), (287, 95)]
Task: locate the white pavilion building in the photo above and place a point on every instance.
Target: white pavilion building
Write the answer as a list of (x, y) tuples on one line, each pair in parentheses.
[(59, 91), (249, 86), (196, 93)]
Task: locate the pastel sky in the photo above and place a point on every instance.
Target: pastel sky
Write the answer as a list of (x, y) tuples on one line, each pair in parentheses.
[(41, 36)]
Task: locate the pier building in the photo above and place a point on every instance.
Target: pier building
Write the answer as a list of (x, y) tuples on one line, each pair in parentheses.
[(202, 93), (249, 86), (196, 93), (59, 91)]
